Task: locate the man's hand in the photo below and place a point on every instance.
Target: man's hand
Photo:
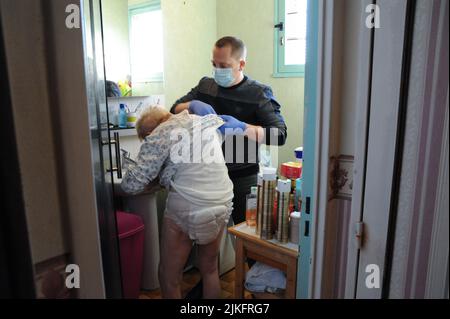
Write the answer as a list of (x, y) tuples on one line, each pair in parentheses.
[(200, 108), (181, 107), (232, 126)]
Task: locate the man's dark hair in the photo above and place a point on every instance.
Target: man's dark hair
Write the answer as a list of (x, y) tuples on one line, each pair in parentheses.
[(238, 49)]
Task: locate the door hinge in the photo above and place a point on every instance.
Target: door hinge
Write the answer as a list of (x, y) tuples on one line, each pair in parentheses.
[(359, 234)]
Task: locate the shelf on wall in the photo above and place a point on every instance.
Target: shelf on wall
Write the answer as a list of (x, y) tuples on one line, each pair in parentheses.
[(129, 131), (128, 97)]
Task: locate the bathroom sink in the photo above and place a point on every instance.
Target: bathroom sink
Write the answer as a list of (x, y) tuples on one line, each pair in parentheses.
[(118, 191)]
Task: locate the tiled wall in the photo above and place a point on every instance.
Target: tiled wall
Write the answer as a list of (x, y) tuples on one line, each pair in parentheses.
[(132, 103)]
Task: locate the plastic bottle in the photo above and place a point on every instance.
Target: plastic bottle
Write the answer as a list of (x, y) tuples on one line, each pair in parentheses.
[(298, 195), (299, 154), (294, 227), (268, 189), (283, 210), (122, 116), (250, 213), (298, 182)]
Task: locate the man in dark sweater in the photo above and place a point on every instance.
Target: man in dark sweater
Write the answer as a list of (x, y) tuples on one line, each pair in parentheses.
[(251, 113)]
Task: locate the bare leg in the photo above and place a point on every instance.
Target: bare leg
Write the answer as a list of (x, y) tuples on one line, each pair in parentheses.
[(208, 264), (175, 248)]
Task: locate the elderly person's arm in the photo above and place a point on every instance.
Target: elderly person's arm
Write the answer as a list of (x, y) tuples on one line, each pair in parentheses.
[(152, 155)]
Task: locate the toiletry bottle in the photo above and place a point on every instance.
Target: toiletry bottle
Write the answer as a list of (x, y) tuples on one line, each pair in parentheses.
[(268, 189), (283, 210), (298, 182), (250, 213), (298, 195), (122, 116), (294, 227)]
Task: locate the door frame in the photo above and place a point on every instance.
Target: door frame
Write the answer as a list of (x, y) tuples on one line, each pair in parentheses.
[(310, 169), (319, 85), (364, 82), (323, 59), (101, 147), (322, 143)]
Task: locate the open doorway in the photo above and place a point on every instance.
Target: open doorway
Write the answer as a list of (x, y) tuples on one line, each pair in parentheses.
[(346, 99), (274, 33), (376, 152)]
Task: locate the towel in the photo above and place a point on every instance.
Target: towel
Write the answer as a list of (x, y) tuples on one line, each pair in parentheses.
[(264, 278)]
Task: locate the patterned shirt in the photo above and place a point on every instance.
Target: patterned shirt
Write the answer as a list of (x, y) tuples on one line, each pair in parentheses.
[(154, 158)]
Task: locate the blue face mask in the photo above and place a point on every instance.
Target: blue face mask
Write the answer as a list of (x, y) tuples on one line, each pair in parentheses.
[(224, 77)]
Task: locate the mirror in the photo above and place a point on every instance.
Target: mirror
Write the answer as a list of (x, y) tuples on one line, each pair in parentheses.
[(133, 47)]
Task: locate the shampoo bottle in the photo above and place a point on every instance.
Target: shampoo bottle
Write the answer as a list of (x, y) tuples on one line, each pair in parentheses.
[(122, 116)]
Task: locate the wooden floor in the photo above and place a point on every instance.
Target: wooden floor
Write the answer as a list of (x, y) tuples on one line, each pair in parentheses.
[(192, 277)]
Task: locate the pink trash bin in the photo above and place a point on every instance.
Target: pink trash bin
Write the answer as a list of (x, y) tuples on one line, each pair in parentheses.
[(131, 242)]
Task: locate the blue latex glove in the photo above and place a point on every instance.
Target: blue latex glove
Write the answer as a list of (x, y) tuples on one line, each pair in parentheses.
[(200, 108), (232, 126)]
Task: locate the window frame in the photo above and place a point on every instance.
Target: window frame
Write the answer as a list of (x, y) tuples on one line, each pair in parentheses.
[(142, 8), (280, 69)]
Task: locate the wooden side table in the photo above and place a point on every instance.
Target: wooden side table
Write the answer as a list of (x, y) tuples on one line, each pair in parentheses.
[(269, 252)]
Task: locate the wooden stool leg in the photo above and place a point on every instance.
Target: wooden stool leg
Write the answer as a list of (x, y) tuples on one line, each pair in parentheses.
[(240, 262), (291, 278)]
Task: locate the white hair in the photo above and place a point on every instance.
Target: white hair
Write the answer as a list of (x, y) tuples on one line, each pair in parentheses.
[(149, 119)]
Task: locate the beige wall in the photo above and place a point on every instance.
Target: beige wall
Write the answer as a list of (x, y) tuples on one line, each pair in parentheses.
[(189, 34), (34, 129), (252, 21)]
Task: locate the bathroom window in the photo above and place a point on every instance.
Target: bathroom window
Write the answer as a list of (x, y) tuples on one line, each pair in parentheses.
[(290, 38), (146, 43)]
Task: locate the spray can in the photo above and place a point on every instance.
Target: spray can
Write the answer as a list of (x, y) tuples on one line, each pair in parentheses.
[(259, 197), (294, 231), (268, 190), (283, 210)]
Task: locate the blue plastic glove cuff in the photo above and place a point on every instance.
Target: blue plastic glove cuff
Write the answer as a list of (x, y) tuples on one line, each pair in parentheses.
[(232, 126)]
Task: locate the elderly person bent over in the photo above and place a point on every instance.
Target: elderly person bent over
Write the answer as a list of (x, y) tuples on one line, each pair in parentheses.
[(200, 196)]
